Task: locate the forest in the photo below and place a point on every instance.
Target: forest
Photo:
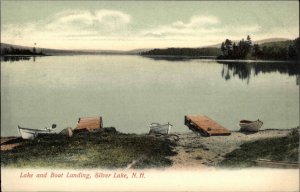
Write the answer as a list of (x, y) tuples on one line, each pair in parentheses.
[(242, 50), (192, 52), (245, 49), (10, 50)]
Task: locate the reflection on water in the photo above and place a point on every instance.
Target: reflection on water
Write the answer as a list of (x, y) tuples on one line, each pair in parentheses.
[(244, 70), (15, 58)]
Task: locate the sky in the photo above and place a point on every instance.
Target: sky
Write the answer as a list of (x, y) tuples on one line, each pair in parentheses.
[(128, 25)]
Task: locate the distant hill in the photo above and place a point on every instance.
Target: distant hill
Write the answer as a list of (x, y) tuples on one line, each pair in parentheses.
[(7, 49), (70, 52), (8, 46), (272, 40), (38, 49), (262, 41), (137, 51), (5, 45), (285, 43), (212, 50)]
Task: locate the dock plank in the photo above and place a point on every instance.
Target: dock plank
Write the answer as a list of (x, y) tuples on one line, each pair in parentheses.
[(205, 125), (89, 124)]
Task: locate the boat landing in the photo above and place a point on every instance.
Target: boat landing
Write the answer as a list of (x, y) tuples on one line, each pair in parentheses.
[(205, 126), (90, 124)]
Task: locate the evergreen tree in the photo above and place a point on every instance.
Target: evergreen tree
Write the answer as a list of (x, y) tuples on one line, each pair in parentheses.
[(235, 50), (249, 42), (248, 45), (34, 50), (256, 50), (228, 46), (223, 48), (293, 50)]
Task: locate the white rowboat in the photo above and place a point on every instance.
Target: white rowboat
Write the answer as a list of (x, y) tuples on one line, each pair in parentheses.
[(252, 126), (161, 129), (29, 133)]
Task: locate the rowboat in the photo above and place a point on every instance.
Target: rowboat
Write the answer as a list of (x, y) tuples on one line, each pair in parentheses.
[(159, 128), (252, 126), (29, 133)]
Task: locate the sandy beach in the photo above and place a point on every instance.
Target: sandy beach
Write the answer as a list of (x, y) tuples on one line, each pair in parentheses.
[(197, 151)]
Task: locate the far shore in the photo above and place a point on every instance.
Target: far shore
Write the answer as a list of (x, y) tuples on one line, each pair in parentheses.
[(159, 57), (215, 58), (176, 150), (179, 57)]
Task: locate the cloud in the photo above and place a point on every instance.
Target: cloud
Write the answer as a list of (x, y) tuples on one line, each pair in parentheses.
[(196, 24), (87, 22), (71, 24), (112, 17), (18, 30), (198, 27), (113, 29)]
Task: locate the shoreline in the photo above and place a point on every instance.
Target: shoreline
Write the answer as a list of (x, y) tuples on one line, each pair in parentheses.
[(189, 150), (5, 140)]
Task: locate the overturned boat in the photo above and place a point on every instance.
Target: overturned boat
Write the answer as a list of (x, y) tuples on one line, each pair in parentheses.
[(160, 128), (29, 133), (251, 126)]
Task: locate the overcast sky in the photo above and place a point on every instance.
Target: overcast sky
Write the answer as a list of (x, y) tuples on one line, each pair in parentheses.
[(141, 24)]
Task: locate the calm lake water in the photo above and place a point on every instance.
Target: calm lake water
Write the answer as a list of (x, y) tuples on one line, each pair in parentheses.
[(130, 92)]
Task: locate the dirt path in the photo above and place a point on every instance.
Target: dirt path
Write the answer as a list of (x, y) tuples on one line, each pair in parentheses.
[(195, 151)]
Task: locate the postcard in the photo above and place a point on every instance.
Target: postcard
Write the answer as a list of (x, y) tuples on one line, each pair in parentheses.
[(149, 95)]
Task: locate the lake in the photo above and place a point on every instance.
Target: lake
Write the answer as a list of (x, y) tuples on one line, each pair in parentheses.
[(130, 92)]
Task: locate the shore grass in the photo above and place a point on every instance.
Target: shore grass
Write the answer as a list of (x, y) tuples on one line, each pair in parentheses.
[(274, 149), (90, 150)]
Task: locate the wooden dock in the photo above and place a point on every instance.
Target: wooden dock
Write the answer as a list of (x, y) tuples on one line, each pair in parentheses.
[(89, 124), (205, 126)]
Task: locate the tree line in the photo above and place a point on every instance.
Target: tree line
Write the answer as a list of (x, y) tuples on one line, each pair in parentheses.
[(245, 49), (192, 52), (17, 51)]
